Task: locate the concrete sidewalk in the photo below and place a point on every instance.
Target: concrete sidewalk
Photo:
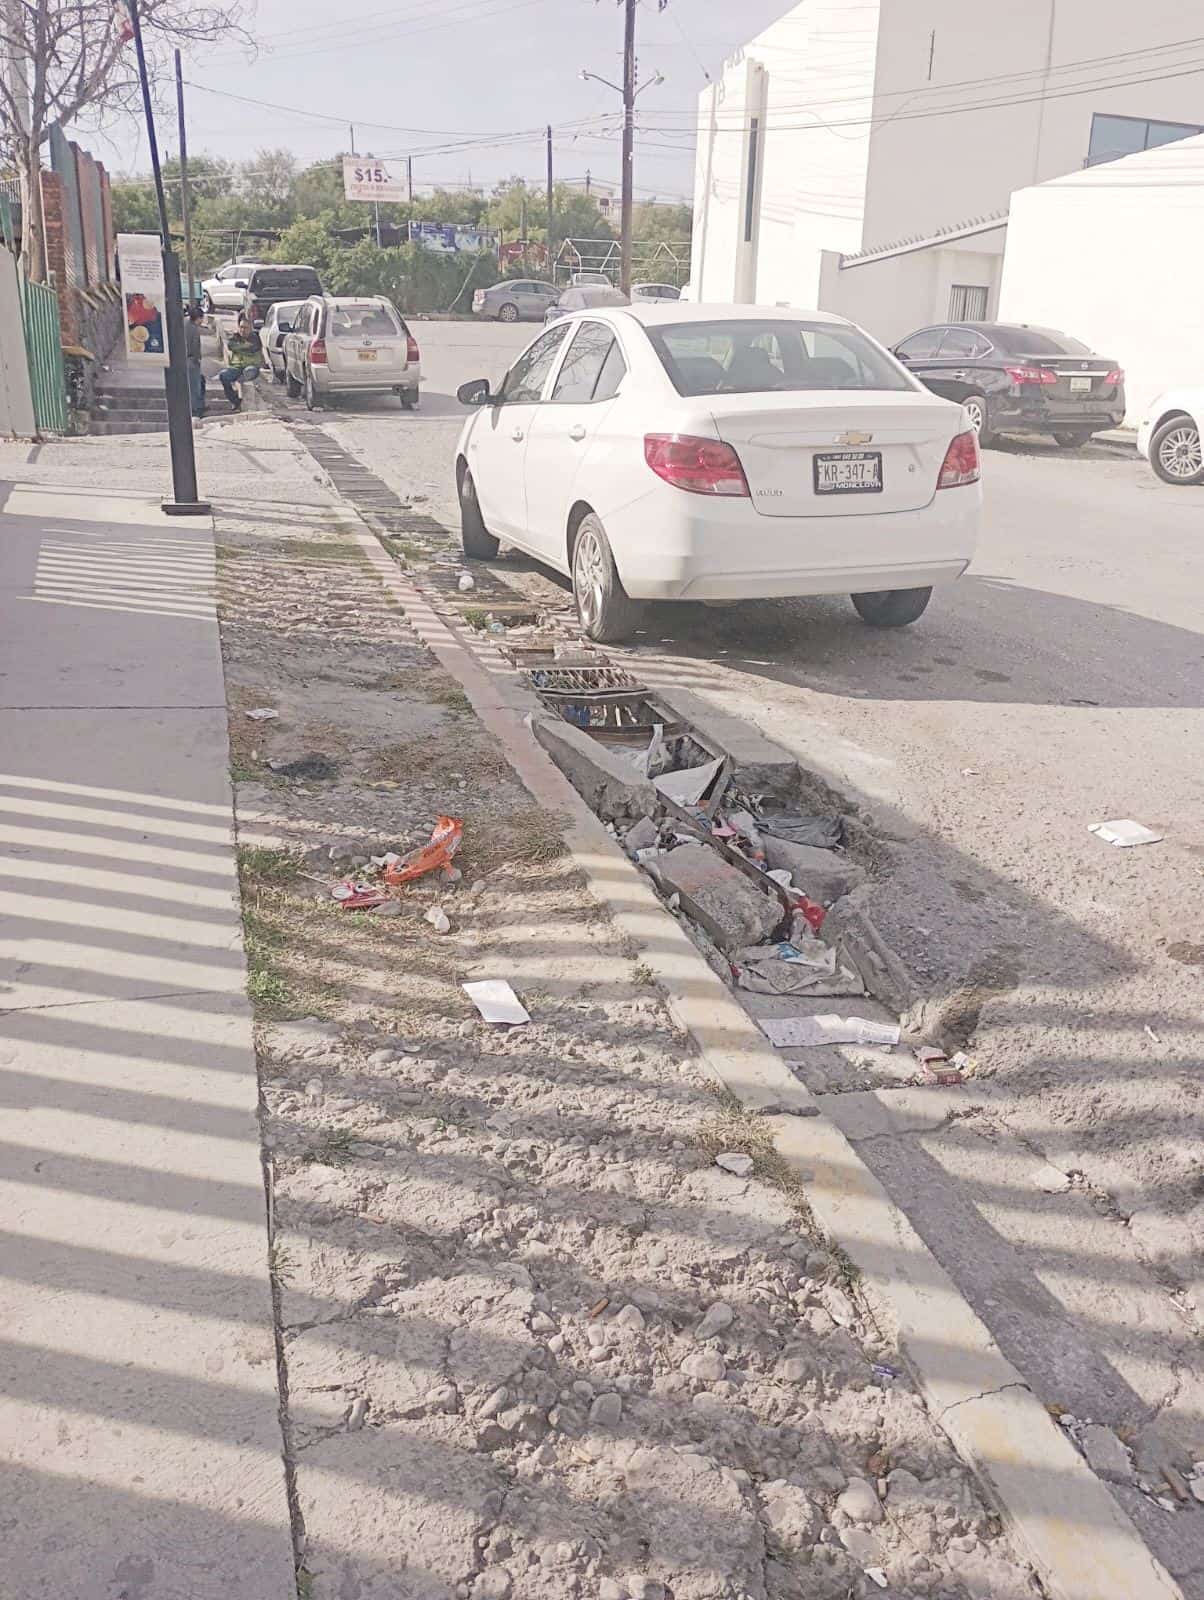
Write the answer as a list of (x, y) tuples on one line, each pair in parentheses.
[(140, 1446)]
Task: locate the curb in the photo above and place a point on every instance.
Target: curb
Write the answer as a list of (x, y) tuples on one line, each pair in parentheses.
[(1077, 1537)]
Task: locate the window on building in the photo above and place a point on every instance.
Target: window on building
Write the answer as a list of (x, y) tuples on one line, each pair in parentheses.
[(1113, 137), (968, 302), (750, 193)]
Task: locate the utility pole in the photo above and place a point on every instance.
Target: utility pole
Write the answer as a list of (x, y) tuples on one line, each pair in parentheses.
[(185, 198), (628, 142), (550, 201), (351, 131), (410, 178), (179, 404)]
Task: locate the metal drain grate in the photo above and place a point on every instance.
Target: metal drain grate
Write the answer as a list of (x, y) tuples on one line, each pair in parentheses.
[(583, 681)]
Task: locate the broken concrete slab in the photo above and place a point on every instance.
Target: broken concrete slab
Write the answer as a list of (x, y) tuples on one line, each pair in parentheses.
[(730, 909), (605, 779), (822, 875)]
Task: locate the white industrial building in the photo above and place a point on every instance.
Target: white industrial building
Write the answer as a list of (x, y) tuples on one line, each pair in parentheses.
[(1114, 254), (861, 155)]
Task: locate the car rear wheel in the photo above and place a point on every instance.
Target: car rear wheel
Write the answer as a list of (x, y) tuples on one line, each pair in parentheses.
[(277, 373), (891, 608), (979, 417), (207, 304), (1071, 441), (291, 385), (409, 399), (1176, 454), (311, 394), (607, 612), (476, 540), (508, 312)]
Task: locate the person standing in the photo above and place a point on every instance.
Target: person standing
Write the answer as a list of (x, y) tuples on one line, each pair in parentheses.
[(192, 349), (244, 351)]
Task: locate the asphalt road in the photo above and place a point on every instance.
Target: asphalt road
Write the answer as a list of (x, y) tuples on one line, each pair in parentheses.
[(1059, 684)]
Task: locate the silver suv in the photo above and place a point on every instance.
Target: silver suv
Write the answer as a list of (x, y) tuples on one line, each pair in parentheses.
[(350, 344)]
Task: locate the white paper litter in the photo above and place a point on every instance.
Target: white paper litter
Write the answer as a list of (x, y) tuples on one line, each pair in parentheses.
[(465, 582), (780, 875), (496, 1001), (1124, 832), (439, 919), (688, 786), (828, 1029), (811, 953), (263, 714)]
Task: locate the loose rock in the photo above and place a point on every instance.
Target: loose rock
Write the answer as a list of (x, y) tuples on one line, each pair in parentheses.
[(706, 1366), (859, 1502), (1106, 1454), (718, 1317), (735, 1162)]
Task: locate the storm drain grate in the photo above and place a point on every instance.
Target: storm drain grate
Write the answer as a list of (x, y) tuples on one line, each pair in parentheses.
[(579, 681), (381, 507)]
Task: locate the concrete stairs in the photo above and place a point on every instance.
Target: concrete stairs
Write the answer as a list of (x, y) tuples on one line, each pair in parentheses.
[(125, 407)]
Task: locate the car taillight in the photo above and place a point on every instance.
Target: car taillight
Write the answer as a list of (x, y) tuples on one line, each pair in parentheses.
[(1031, 375), (1115, 377), (317, 353), (962, 462), (260, 309), (412, 356), (702, 466)]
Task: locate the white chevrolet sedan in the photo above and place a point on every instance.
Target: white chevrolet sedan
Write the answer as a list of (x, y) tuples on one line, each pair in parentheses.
[(693, 452)]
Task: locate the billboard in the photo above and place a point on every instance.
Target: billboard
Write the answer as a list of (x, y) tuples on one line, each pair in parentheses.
[(366, 178), (144, 298), (450, 238)]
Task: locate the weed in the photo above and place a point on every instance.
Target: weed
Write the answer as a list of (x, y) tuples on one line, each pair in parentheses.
[(265, 865), (244, 772), (266, 986), (642, 973), (282, 1262), (475, 618), (331, 1148), (318, 550), (305, 1584), (452, 697)]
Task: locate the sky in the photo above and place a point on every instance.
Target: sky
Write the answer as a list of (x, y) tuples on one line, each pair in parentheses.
[(465, 86)]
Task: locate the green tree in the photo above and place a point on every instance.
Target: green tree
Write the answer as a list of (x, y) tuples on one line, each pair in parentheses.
[(135, 209)]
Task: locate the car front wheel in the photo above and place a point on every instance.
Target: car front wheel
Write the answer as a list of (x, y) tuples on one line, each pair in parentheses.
[(1176, 453), (608, 614), (891, 608), (476, 540), (311, 393), (291, 385), (508, 312), (1071, 441)]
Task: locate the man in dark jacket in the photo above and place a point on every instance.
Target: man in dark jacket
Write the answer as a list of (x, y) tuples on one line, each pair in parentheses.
[(192, 349), (244, 351)]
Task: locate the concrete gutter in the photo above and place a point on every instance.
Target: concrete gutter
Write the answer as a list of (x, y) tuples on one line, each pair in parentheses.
[(1063, 1517)]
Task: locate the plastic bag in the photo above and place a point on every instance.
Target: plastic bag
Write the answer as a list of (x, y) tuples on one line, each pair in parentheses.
[(445, 841)]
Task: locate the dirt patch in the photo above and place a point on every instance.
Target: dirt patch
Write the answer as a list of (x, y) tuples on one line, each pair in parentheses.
[(536, 1342)]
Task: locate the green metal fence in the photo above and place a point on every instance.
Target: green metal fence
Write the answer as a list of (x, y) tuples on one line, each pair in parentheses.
[(44, 347)]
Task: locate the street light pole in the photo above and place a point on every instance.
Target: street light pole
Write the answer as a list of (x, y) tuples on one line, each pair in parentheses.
[(550, 205), (179, 404), (185, 197), (628, 142)]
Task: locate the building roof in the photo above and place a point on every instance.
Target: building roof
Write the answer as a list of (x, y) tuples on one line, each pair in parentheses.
[(1180, 164), (902, 247)]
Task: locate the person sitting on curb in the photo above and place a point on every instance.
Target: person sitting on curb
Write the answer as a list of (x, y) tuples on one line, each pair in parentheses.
[(192, 349), (244, 351)]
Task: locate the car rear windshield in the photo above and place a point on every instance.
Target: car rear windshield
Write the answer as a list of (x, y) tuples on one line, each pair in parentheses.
[(757, 357), (351, 321), (295, 283), (1037, 342)]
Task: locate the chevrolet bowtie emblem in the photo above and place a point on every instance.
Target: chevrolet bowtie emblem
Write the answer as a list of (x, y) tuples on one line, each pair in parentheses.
[(853, 438)]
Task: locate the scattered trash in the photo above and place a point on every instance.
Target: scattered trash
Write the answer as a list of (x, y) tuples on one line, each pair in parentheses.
[(353, 896), (876, 1575), (812, 915), (780, 875), (1152, 1034), (496, 1001), (766, 969), (823, 832), (970, 772), (881, 1369), (927, 1054), (1124, 833), (444, 842), (492, 625), (745, 825), (465, 582), (689, 785), (786, 1032), (643, 835), (307, 766), (598, 1307), (809, 952), (439, 919), (263, 714), (735, 1162)]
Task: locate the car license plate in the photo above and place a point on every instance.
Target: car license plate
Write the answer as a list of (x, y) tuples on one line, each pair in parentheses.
[(851, 472), (366, 355), (1080, 385)]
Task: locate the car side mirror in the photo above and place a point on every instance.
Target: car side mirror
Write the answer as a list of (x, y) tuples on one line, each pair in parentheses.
[(474, 393)]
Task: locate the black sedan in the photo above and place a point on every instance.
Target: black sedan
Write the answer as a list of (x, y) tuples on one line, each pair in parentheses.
[(1015, 379)]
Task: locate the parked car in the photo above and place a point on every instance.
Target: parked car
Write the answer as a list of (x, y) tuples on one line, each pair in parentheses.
[(226, 289), (654, 291), (1169, 436), (585, 299), (276, 324), (1015, 379), (597, 280), (719, 453), (515, 299), (353, 344), (267, 285)]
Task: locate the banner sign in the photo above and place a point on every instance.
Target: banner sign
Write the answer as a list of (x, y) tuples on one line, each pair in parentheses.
[(451, 238), (366, 178), (144, 298)]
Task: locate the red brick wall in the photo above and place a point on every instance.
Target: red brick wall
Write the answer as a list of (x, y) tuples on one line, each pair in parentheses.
[(56, 256)]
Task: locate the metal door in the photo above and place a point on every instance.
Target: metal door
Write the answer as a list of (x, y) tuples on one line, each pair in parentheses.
[(44, 347)]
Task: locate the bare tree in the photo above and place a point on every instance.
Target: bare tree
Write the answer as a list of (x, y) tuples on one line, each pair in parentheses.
[(67, 60)]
